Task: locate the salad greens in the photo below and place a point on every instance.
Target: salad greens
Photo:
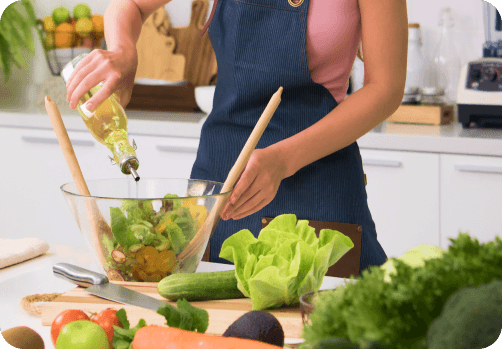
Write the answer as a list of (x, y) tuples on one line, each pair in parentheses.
[(184, 316), (138, 230), (123, 337), (286, 261), (399, 311)]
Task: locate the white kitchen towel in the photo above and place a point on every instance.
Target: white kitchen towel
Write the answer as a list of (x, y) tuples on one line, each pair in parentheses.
[(13, 251)]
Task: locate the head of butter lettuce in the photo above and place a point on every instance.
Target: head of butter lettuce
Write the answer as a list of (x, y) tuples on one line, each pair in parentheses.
[(285, 261)]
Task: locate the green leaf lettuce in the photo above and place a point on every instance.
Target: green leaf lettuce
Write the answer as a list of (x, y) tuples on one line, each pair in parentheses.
[(285, 261)]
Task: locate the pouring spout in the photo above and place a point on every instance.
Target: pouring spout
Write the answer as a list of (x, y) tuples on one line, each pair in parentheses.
[(134, 173)]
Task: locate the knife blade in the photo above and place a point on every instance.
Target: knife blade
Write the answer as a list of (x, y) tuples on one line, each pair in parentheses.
[(98, 285)]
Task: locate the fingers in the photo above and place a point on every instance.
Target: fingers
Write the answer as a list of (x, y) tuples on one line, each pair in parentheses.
[(250, 206), (83, 64), (255, 209), (244, 185), (101, 66), (84, 68), (104, 92)]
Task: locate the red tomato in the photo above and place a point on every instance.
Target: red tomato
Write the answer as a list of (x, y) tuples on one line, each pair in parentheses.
[(106, 319), (64, 318)]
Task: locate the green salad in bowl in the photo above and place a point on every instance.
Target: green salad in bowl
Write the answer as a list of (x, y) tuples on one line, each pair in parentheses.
[(137, 234)]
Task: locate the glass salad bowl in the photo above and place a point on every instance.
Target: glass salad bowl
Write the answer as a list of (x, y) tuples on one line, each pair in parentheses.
[(136, 230)]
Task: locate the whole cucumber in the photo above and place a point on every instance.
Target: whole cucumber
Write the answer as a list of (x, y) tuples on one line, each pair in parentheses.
[(200, 286)]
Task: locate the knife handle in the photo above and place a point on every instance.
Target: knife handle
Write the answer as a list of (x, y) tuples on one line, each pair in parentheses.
[(77, 275)]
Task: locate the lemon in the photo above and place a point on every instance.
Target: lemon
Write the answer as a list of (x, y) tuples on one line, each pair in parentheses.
[(83, 27), (61, 15), (48, 24)]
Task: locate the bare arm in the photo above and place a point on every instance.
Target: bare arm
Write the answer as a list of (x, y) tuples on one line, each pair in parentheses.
[(117, 65), (385, 44), (125, 18)]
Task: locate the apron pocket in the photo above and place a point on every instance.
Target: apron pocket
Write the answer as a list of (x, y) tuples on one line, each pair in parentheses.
[(347, 265)]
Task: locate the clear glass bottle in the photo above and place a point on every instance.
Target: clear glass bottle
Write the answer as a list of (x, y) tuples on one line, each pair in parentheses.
[(415, 64), (107, 124), (446, 60)]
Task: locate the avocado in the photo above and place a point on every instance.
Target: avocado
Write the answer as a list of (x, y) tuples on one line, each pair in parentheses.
[(257, 325)]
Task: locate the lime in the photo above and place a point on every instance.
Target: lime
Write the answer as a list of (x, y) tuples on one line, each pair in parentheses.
[(83, 27), (61, 15), (81, 11)]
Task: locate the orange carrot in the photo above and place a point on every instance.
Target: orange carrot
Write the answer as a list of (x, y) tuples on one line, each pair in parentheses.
[(159, 337)]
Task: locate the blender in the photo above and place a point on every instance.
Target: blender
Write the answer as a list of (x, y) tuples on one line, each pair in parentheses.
[(479, 94)]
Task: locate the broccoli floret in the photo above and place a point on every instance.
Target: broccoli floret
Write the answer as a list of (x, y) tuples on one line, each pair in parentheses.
[(471, 319)]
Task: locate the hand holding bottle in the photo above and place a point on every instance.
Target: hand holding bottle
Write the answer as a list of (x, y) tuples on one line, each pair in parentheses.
[(116, 69)]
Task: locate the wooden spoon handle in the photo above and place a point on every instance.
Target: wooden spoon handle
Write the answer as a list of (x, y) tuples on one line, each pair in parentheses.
[(66, 146), (252, 141), (97, 223), (213, 217)]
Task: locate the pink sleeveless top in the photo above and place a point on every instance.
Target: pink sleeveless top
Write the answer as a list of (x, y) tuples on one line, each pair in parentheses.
[(333, 36)]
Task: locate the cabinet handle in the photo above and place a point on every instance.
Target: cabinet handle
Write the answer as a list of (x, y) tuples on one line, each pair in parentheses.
[(177, 149), (382, 163), (481, 169), (41, 140)]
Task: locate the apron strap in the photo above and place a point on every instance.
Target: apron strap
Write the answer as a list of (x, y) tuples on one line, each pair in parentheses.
[(210, 18)]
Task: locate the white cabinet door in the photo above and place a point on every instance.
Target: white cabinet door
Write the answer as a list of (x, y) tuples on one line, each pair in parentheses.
[(165, 157), (34, 168), (471, 197), (403, 197)]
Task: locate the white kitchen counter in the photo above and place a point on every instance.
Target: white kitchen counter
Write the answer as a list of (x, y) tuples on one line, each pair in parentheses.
[(35, 277), (448, 139)]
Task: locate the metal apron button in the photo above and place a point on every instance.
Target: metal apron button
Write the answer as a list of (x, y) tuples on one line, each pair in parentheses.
[(298, 3)]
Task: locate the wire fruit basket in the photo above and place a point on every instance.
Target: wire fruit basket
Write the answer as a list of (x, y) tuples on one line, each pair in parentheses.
[(67, 40)]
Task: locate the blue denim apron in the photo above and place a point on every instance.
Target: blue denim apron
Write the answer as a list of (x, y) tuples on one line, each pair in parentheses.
[(260, 45)]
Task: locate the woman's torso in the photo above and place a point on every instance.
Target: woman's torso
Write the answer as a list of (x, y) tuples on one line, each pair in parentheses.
[(261, 45)]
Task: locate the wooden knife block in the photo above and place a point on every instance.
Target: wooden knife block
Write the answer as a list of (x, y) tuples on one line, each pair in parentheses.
[(423, 114)]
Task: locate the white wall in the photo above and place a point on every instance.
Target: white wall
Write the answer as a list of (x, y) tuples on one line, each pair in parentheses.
[(468, 35)]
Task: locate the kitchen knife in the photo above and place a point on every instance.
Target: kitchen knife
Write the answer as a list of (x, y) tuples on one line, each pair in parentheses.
[(98, 285)]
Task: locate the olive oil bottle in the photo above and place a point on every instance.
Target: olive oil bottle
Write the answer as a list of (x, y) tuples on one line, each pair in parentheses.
[(107, 123)]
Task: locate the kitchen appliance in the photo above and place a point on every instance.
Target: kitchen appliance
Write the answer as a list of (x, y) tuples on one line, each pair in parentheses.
[(479, 94)]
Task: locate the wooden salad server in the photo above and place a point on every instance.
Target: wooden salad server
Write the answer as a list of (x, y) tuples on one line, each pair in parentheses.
[(211, 221)]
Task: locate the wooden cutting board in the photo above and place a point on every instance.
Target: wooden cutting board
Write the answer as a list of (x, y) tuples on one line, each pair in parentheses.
[(156, 57), (199, 53), (222, 313)]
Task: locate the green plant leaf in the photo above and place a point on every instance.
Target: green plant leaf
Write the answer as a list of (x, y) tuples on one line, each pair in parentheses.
[(16, 35), (23, 27), (30, 12), (32, 18), (5, 57), (11, 34)]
